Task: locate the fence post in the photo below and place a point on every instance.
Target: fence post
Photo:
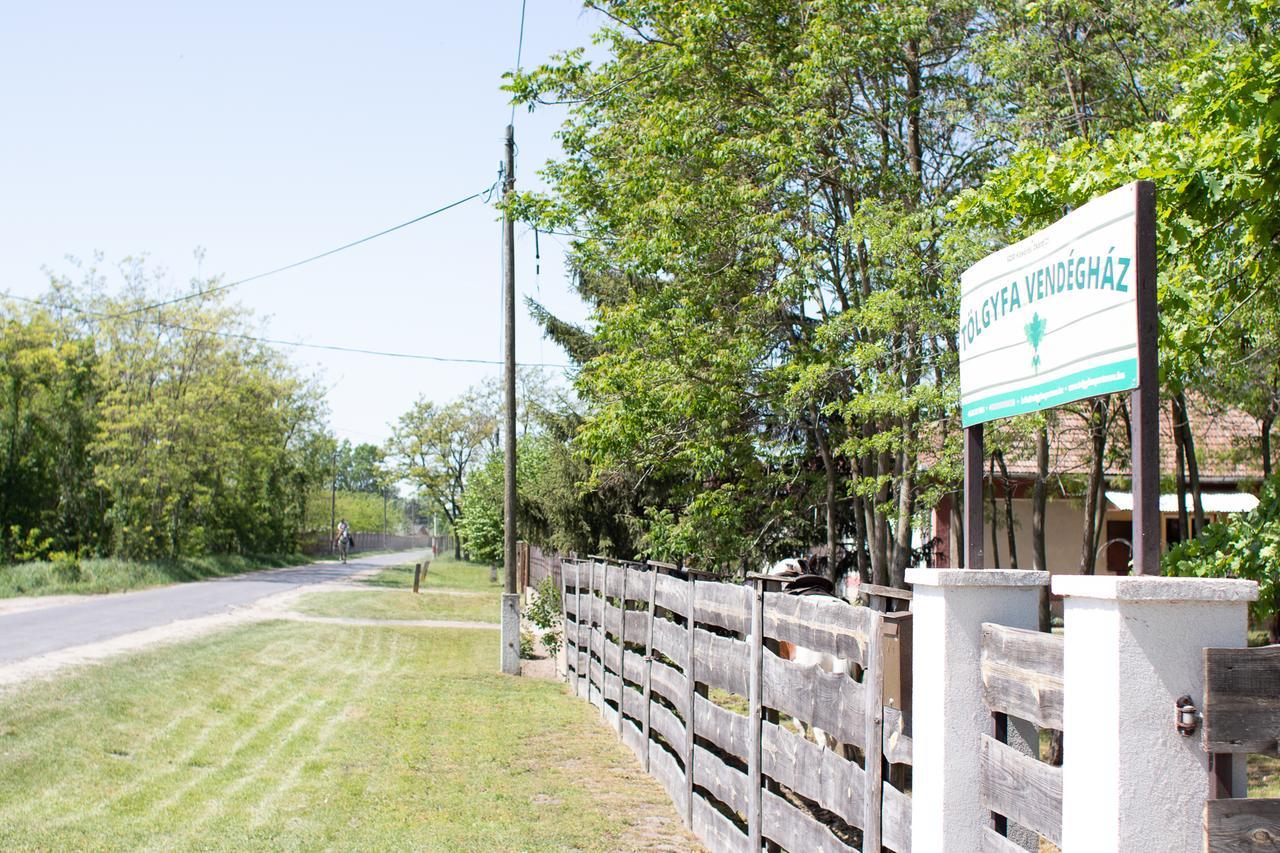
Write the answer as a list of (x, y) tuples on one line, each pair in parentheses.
[(417, 576), (591, 621), (622, 643), (1133, 646), (648, 663), (690, 673), (950, 716), (564, 625), (755, 829), (602, 591), (873, 721)]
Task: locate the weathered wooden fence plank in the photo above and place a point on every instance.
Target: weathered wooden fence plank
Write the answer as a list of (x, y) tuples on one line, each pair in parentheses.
[(668, 725), (671, 640), (665, 769), (814, 772), (727, 784), (727, 730), (725, 605), (692, 672), (831, 701), (612, 587), (648, 666), (635, 626), (632, 737), (895, 820), (1242, 825), (671, 685), (718, 831), (822, 624), (873, 739), (672, 593), (633, 703), (1021, 788), (994, 842), (1242, 700), (634, 667), (621, 637), (897, 744), (755, 714), (1022, 674), (612, 618), (636, 584), (791, 828), (722, 661)]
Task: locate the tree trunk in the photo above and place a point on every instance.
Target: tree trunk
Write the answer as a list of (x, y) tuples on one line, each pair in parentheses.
[(957, 527), (1098, 444), (1039, 499), (1193, 468), (829, 467), (1266, 445), (1008, 509), (1180, 472)]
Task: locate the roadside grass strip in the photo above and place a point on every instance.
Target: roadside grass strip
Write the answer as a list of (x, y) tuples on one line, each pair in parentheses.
[(401, 605), (444, 572), (286, 735), (75, 577)]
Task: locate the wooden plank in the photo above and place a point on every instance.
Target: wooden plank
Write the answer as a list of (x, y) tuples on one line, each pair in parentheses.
[(632, 737), (994, 842), (791, 828), (831, 701), (612, 617), (720, 726), (873, 739), (634, 667), (813, 772), (721, 661), (720, 833), (884, 591), (667, 724), (895, 820), (648, 668), (670, 593), (1022, 674), (755, 713), (1021, 788), (1242, 826), (1242, 700), (612, 587), (635, 626), (633, 703), (692, 673), (663, 767), (636, 584), (579, 666), (727, 784), (897, 744), (612, 658), (622, 644), (826, 625), (600, 578), (724, 604), (671, 685), (670, 639)]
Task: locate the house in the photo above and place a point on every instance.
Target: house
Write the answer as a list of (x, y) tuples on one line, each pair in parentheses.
[(1230, 469)]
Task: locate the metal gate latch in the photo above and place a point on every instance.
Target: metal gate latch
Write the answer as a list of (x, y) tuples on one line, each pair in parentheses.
[(1187, 719)]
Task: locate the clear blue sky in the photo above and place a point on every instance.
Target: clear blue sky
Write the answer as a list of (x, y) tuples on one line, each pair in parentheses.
[(268, 132)]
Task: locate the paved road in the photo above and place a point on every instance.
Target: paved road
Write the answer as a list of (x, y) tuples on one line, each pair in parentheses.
[(96, 618)]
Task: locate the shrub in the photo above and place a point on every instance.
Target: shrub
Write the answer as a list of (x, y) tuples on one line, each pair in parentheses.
[(544, 612)]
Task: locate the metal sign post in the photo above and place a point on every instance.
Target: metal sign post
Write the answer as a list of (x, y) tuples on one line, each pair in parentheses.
[(1067, 314)]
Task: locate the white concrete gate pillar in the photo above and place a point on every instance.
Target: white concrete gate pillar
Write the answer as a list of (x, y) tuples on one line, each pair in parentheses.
[(1133, 647), (949, 714)]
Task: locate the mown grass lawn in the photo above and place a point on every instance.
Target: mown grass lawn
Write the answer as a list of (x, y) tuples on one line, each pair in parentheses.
[(301, 736), (444, 572), (402, 604)]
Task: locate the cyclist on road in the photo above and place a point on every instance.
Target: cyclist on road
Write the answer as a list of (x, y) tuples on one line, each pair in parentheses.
[(343, 540)]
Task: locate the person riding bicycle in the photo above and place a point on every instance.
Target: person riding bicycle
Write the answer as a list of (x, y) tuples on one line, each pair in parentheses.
[(344, 535)]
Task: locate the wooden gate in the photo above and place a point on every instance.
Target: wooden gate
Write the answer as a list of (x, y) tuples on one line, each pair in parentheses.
[(687, 671), (1241, 717)]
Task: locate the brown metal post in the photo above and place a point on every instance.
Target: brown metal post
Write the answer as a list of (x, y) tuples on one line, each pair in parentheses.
[(973, 548), (1144, 401)]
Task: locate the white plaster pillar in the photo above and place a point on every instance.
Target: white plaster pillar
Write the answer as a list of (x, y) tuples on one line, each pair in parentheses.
[(949, 715), (1133, 647)]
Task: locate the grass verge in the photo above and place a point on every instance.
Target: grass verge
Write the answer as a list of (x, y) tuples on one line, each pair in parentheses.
[(302, 736), (112, 575), (444, 573), (393, 604)]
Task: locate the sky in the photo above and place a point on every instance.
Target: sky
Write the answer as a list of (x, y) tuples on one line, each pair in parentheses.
[(261, 133)]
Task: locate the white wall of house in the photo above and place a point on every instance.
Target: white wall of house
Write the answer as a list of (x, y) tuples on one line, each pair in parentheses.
[(1064, 522)]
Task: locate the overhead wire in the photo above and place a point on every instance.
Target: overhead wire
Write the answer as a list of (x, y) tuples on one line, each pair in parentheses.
[(519, 56)]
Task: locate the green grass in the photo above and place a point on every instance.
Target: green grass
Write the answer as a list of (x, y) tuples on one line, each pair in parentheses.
[(112, 575), (302, 736), (1264, 776), (401, 604), (444, 573)]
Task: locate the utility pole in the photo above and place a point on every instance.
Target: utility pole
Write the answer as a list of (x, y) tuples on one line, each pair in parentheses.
[(510, 597), (333, 503)]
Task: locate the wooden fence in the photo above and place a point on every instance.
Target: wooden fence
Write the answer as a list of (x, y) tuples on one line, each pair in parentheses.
[(687, 671), (1241, 717), (1021, 678)]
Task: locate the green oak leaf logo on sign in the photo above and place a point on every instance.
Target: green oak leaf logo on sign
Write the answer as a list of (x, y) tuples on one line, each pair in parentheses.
[(1035, 334)]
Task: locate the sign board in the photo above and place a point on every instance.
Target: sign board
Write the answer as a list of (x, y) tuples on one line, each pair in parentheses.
[(1053, 318)]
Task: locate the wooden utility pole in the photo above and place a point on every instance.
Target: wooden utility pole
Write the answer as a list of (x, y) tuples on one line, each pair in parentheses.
[(333, 503), (510, 598)]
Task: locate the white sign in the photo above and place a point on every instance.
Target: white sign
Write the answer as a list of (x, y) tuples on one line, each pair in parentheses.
[(1053, 318)]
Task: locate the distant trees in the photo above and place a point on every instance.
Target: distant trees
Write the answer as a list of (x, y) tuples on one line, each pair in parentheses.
[(148, 433)]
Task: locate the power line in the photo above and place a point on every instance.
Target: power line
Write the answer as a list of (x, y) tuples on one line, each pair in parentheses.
[(519, 54), (279, 342), (295, 264)]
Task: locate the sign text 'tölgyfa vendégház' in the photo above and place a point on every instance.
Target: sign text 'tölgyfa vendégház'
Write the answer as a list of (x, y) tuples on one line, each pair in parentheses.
[(1053, 318)]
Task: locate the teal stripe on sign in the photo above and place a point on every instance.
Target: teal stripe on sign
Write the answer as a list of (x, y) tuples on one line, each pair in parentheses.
[(1105, 379)]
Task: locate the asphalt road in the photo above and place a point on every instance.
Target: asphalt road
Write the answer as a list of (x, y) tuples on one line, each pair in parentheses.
[(97, 618)]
